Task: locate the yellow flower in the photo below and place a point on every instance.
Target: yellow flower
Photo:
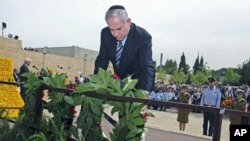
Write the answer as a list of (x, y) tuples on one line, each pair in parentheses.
[(66, 81), (10, 97)]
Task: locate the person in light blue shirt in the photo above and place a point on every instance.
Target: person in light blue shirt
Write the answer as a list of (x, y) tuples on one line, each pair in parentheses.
[(168, 94), (211, 97), (160, 95), (152, 95)]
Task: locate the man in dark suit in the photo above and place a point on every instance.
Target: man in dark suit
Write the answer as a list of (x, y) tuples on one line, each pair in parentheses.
[(23, 69), (128, 47)]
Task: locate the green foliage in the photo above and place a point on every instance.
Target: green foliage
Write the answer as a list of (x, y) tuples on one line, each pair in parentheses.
[(129, 127), (201, 77), (196, 65), (170, 66), (178, 77), (161, 75), (228, 76), (12, 134), (44, 72), (21, 132), (245, 72), (231, 77), (59, 104), (183, 66), (37, 137), (201, 64), (129, 113)]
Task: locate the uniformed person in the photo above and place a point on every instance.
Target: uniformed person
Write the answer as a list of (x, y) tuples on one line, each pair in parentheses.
[(211, 97), (239, 103), (184, 97)]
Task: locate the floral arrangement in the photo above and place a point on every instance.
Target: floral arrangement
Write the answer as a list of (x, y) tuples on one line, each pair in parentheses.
[(227, 102), (61, 104), (9, 94), (116, 77), (6, 69)]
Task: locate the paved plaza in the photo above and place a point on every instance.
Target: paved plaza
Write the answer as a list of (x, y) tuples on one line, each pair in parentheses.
[(164, 127)]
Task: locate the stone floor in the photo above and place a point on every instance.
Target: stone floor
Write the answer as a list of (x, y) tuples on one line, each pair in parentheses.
[(164, 126), (166, 121)]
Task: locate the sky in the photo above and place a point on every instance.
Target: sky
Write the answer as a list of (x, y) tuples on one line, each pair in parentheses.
[(218, 30)]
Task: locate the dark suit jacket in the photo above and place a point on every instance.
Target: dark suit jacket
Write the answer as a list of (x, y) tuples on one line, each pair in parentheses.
[(24, 68), (136, 58)]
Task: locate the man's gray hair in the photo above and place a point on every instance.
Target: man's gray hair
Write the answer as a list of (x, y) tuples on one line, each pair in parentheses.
[(122, 14), (27, 60)]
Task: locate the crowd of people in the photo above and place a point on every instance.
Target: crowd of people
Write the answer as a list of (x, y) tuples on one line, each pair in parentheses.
[(211, 95), (171, 92)]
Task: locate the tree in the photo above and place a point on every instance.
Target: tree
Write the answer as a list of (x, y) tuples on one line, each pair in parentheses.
[(201, 64), (196, 65), (161, 75), (189, 78), (231, 77), (183, 64), (218, 74), (170, 66), (245, 72), (178, 77), (201, 76)]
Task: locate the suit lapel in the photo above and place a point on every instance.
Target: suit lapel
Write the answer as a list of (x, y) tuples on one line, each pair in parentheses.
[(113, 49), (128, 47)]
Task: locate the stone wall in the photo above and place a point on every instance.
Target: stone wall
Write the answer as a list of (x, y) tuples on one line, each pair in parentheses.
[(13, 48)]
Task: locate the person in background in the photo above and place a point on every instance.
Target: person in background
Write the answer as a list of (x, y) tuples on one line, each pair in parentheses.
[(77, 81), (196, 98), (169, 95), (211, 97), (239, 103), (16, 75), (23, 69), (247, 92), (183, 114), (160, 97), (81, 78), (246, 120)]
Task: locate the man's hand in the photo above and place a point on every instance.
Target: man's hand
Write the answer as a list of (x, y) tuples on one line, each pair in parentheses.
[(144, 113), (144, 110)]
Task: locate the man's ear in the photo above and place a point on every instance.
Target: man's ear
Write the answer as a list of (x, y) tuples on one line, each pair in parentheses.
[(129, 21)]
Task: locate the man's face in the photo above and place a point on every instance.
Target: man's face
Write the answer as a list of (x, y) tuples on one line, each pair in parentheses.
[(239, 95), (118, 28), (28, 63), (211, 84), (184, 89)]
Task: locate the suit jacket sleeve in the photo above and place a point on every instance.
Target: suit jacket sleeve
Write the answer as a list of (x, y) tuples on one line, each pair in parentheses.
[(102, 60), (23, 69), (146, 64)]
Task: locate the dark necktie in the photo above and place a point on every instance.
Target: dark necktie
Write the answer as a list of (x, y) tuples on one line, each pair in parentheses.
[(119, 49)]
